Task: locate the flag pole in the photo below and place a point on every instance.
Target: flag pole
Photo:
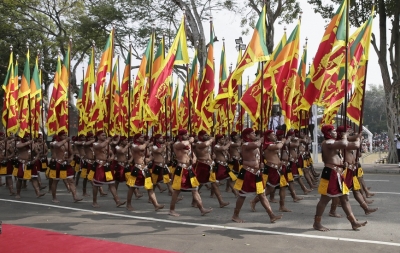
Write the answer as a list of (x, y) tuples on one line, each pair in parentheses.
[(129, 91), (346, 66), (110, 83)]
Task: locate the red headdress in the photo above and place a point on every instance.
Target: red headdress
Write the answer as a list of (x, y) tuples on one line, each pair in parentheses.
[(61, 133), (155, 138), (267, 141), (325, 130), (218, 137), (181, 133), (136, 137), (99, 132), (201, 135), (290, 133), (246, 132)]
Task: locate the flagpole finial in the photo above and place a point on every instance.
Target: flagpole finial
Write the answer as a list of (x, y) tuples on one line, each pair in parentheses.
[(93, 43), (38, 52), (27, 45), (306, 40), (59, 52), (11, 48), (17, 56), (197, 43), (70, 38), (301, 14)]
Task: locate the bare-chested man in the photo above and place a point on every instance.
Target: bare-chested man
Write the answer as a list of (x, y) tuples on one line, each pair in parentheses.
[(103, 174), (139, 176), (184, 177), (249, 182), (42, 162), (205, 163), (27, 156), (297, 173), (331, 184), (274, 170), (160, 172), (63, 170), (221, 169), (235, 160), (124, 158), (7, 155), (303, 143), (351, 181)]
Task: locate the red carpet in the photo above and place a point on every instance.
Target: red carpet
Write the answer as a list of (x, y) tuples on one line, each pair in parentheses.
[(17, 239)]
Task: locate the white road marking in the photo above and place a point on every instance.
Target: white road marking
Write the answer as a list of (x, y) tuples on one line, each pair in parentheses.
[(372, 180), (395, 193), (207, 225)]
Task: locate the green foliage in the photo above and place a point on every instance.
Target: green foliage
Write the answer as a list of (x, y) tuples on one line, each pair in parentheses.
[(375, 109)]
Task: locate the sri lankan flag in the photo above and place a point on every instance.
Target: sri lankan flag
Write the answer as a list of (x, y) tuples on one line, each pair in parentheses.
[(256, 51), (103, 72), (36, 97), (52, 123), (112, 104), (137, 105), (84, 101), (23, 98), (194, 92), (334, 36), (299, 89), (10, 104), (177, 54), (125, 96), (251, 99), (284, 71), (206, 91)]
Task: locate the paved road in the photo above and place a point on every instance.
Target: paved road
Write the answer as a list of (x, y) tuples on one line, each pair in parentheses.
[(216, 232)]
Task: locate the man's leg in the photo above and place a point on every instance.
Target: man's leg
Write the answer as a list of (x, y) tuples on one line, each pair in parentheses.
[(344, 200), (239, 203), (267, 207), (9, 183), (35, 185), (323, 201), (174, 199), (215, 187), (95, 190), (199, 203), (152, 197), (113, 191), (54, 191)]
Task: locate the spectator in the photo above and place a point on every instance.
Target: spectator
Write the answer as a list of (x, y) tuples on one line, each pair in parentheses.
[(397, 140)]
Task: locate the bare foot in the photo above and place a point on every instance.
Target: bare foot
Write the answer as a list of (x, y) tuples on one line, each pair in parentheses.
[(368, 188), (12, 193), (297, 199), (356, 225), (129, 208), (139, 196), (223, 204), (95, 205), (159, 207), (86, 195), (369, 195), (1, 184), (319, 227), (284, 209), (149, 201), (335, 214), (40, 195), (43, 187), (119, 203), (275, 218), (173, 213), (253, 205), (103, 194), (237, 219), (273, 200), (17, 196), (228, 190), (206, 211), (220, 183), (306, 191), (370, 210), (77, 199), (163, 190), (207, 186), (55, 201), (369, 201), (194, 205)]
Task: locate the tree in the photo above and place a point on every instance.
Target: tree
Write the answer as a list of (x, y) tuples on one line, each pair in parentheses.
[(374, 109), (388, 11)]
